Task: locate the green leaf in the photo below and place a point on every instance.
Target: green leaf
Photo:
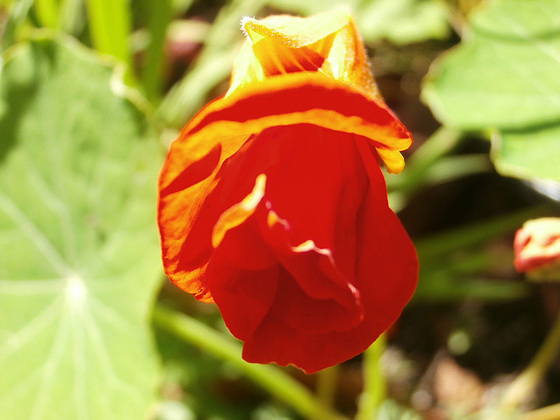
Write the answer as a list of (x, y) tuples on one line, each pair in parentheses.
[(528, 153), (310, 7), (402, 21), (399, 21), (504, 75), (79, 265), (271, 378)]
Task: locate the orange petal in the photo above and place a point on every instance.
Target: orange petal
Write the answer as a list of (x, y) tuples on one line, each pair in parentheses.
[(290, 71), (220, 129)]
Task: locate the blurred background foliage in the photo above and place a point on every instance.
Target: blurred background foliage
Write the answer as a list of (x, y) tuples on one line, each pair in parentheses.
[(91, 94)]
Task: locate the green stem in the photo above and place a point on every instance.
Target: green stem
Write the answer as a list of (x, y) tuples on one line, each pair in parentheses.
[(327, 384), (110, 25), (47, 12), (375, 388), (159, 15), (276, 382), (71, 19), (524, 385)]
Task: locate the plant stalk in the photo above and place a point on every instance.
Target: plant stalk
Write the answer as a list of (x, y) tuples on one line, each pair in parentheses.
[(275, 381), (327, 384), (375, 387)]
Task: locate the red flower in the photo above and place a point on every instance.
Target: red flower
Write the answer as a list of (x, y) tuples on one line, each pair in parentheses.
[(537, 248), (273, 204)]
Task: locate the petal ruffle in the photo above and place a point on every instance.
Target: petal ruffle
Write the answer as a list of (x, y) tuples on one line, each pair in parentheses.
[(313, 258), (273, 205), (314, 181), (220, 130), (386, 274)]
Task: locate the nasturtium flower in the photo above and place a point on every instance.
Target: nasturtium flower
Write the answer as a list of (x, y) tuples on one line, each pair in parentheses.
[(537, 248), (273, 205)]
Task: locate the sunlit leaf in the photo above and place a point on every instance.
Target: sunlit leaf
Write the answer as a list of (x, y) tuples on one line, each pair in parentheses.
[(402, 21), (399, 21), (504, 75), (79, 253), (528, 153)]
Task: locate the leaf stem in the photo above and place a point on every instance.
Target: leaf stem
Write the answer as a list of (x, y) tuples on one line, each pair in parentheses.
[(327, 385), (159, 15), (375, 388), (47, 12), (110, 27), (270, 378)]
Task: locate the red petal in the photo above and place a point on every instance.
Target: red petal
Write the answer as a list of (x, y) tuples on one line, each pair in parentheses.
[(351, 277), (220, 130), (537, 245), (386, 275)]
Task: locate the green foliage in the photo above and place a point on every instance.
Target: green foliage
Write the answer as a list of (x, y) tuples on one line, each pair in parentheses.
[(110, 25), (399, 21), (79, 264), (504, 76), (269, 378), (464, 258), (79, 256), (159, 16), (67, 15), (213, 64), (47, 12), (13, 19), (434, 163), (528, 153), (390, 410), (402, 21)]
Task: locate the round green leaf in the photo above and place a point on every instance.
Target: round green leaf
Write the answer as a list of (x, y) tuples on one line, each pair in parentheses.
[(504, 76), (79, 263), (399, 21), (533, 154), (402, 21), (489, 81)]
